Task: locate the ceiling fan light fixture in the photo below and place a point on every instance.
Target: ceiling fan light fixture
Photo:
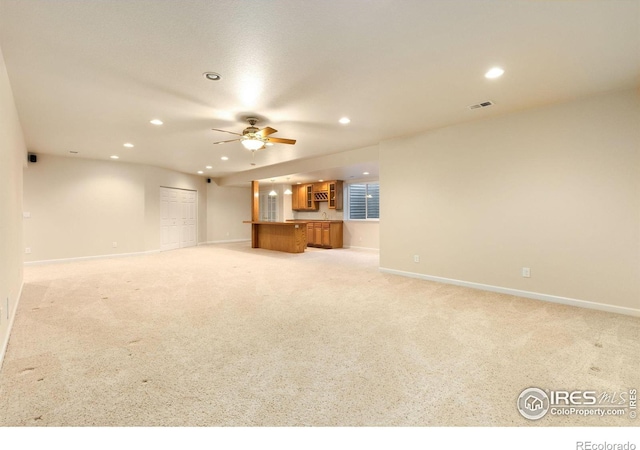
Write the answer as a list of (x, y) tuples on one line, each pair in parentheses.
[(251, 143)]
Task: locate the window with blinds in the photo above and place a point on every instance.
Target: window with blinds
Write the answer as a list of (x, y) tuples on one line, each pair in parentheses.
[(364, 201)]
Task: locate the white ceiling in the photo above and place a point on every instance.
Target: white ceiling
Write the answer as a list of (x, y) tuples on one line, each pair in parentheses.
[(87, 76)]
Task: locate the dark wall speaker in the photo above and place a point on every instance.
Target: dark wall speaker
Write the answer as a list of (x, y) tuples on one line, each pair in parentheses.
[(33, 158), (208, 180)]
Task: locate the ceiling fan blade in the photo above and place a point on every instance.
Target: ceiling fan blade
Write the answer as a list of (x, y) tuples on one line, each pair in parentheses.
[(224, 142), (276, 140), (225, 131), (266, 131)]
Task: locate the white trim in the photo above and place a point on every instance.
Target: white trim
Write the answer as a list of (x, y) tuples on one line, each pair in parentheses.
[(85, 258), (371, 249), (5, 344), (228, 241), (518, 293)]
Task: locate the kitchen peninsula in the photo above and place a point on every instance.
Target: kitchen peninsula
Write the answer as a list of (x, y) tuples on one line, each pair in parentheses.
[(290, 237), (293, 236)]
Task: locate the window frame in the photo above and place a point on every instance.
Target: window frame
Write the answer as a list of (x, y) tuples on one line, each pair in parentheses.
[(348, 202)]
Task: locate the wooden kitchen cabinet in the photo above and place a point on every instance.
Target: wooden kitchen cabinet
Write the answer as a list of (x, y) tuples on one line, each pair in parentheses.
[(311, 203), (324, 234), (335, 194), (317, 234), (295, 198), (303, 199), (310, 236), (322, 186)]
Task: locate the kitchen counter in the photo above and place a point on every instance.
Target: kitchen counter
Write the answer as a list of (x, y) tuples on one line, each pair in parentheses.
[(314, 220)]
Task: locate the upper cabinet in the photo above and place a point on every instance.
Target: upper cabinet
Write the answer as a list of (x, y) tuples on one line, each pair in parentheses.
[(335, 194), (307, 196), (321, 191), (302, 198), (295, 198)]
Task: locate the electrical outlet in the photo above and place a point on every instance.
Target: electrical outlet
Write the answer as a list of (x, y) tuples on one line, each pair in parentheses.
[(526, 272), (27, 250), (416, 258), (114, 244)]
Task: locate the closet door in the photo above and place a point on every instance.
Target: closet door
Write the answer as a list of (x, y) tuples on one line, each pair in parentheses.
[(169, 219), (178, 218), (188, 219)]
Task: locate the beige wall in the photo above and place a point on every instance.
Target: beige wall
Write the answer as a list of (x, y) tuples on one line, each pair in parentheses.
[(227, 208), (12, 159), (79, 207), (362, 234), (555, 189)]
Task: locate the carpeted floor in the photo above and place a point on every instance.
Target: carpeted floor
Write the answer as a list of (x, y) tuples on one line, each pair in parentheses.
[(226, 335)]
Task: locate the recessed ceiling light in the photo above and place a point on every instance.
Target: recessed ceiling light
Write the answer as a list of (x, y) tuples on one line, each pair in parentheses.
[(299, 182), (73, 152), (200, 172), (114, 157), (365, 173), (208, 167), (212, 76), (156, 122), (128, 145), (225, 158), (344, 120), (494, 72), (320, 181)]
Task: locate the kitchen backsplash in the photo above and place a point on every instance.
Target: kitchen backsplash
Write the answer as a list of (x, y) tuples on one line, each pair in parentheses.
[(331, 214)]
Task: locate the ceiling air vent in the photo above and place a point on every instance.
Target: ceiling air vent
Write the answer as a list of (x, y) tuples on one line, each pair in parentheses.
[(482, 105)]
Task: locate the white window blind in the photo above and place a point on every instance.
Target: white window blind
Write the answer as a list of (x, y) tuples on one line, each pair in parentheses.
[(364, 201)]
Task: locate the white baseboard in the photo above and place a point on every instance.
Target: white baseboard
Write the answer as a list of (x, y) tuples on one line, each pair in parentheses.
[(86, 258), (519, 293), (370, 249), (228, 241), (5, 344)]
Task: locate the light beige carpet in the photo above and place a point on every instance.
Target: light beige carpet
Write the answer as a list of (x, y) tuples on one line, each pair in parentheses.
[(226, 335)]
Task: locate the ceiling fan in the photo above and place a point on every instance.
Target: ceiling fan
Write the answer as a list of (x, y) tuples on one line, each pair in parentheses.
[(253, 138)]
